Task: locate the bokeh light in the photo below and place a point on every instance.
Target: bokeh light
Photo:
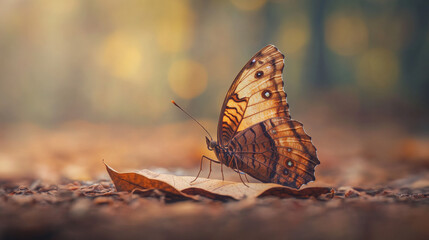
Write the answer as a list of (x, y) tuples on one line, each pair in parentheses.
[(346, 33), (294, 33), (175, 27), (187, 78), (378, 70), (120, 55)]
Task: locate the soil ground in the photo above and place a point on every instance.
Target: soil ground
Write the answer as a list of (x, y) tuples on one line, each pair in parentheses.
[(380, 177)]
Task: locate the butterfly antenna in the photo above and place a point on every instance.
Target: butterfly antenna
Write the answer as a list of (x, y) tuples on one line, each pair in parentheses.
[(173, 102)]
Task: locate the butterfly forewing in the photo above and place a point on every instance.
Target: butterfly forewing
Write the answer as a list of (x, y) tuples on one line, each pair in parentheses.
[(255, 95)]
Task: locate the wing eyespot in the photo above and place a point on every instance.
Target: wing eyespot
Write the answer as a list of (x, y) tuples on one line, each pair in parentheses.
[(266, 94), (285, 171), (289, 163), (259, 74), (252, 62)]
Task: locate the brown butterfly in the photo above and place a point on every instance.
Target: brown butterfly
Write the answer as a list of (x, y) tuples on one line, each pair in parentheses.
[(256, 134)]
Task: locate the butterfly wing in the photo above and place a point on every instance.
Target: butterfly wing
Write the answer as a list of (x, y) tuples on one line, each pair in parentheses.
[(256, 127), (276, 150), (255, 95)]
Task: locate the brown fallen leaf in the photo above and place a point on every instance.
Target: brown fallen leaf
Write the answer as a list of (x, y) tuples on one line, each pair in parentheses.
[(180, 187)]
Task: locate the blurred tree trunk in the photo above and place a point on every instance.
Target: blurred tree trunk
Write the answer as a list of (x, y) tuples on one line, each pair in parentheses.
[(316, 70)]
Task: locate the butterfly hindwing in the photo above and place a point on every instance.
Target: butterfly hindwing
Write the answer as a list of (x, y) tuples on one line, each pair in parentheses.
[(276, 150), (255, 95)]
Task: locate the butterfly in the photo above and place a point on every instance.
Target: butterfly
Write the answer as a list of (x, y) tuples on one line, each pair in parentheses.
[(256, 134)]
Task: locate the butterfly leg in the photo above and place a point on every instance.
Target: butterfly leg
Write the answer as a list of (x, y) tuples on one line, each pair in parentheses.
[(239, 172), (245, 176), (221, 170), (210, 172), (211, 160), (201, 166)]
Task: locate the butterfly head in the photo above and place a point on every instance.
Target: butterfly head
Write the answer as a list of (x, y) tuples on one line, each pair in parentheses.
[(211, 144)]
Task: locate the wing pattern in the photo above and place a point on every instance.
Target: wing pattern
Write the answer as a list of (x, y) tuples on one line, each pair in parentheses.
[(276, 150), (255, 95), (256, 134)]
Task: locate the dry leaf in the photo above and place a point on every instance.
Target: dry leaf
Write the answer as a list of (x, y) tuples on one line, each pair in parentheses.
[(180, 187)]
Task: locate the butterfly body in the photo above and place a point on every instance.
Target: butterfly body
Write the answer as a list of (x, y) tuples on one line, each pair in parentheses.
[(256, 134)]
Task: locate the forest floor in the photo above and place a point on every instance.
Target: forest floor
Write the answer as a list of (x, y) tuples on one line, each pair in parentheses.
[(379, 192), (94, 210)]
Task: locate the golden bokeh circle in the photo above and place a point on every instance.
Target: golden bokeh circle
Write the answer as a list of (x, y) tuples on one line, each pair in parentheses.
[(346, 34), (187, 78), (378, 69), (174, 31), (120, 55), (295, 35)]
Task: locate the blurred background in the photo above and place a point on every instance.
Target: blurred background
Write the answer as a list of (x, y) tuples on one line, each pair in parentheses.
[(82, 81)]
